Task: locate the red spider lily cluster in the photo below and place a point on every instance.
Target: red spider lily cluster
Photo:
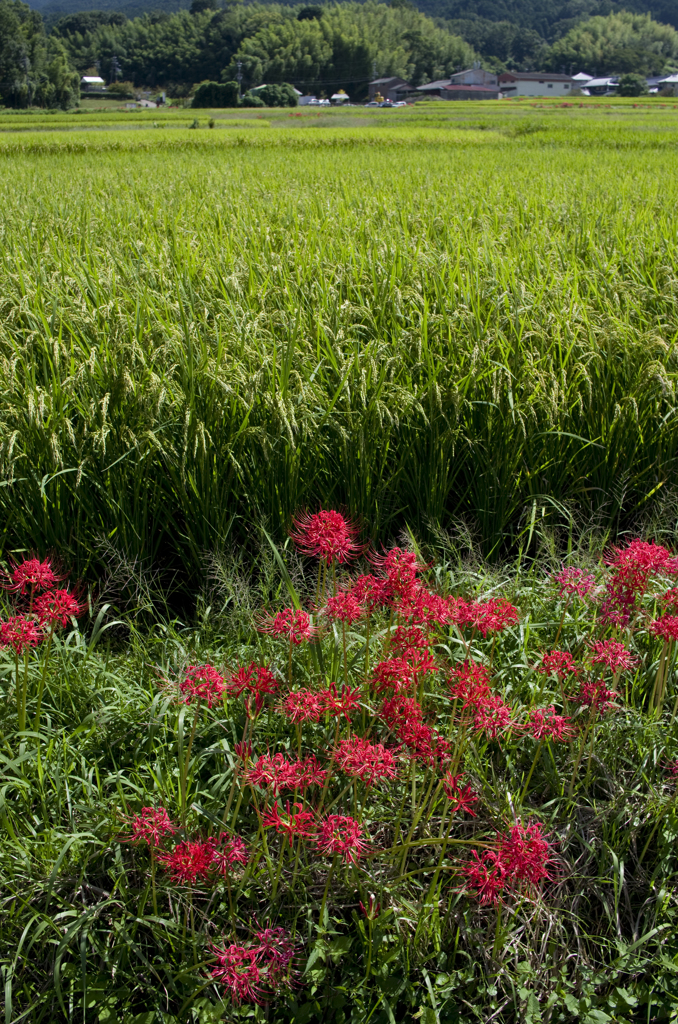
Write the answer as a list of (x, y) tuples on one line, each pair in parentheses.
[(631, 569), (151, 826), (252, 972), (327, 535), (202, 682), (312, 705), (277, 773), (47, 606), (574, 582), (201, 861), (370, 762), (334, 834), (426, 696), (519, 859), (255, 681), (292, 624), (558, 663)]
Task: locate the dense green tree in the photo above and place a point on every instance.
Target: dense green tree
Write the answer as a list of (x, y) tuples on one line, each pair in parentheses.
[(618, 43), (632, 85), (34, 70), (216, 94), (347, 44)]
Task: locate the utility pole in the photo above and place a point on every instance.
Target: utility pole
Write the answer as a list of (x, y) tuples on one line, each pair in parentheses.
[(238, 79)]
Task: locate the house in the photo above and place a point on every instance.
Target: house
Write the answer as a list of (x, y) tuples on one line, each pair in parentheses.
[(473, 76), (536, 83), (444, 89), (670, 82), (602, 86), (392, 88), (92, 83)]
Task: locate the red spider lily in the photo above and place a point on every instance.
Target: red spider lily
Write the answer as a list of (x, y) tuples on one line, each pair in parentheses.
[(20, 633), (672, 768), (276, 773), (632, 568), (340, 702), (370, 592), (492, 616), (492, 716), (371, 911), (405, 639), (243, 750), (521, 856), (189, 862), (150, 826), (202, 682), (228, 851), (401, 569), (425, 743), (367, 761), (558, 663), (303, 706), (670, 600), (470, 684), (57, 607), (393, 674), (545, 724), (459, 611), (461, 799), (309, 773), (276, 949), (340, 834), (422, 662), (486, 874), (666, 627), (254, 679), (574, 581), (613, 654), (32, 576), (327, 535), (424, 608), (400, 711), (291, 822), (594, 694), (239, 972), (293, 624), (525, 853), (344, 607)]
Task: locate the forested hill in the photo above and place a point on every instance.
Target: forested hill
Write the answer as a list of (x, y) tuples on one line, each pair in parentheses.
[(474, 19)]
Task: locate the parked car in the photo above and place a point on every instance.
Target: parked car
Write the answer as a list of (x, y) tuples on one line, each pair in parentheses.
[(372, 103)]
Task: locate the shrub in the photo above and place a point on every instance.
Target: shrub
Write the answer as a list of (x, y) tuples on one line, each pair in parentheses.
[(216, 94), (122, 90), (277, 95), (250, 100), (632, 85)]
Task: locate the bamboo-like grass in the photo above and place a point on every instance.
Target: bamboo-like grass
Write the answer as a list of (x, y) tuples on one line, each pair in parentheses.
[(194, 340)]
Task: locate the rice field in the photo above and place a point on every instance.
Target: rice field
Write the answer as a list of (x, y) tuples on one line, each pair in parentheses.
[(456, 316), (457, 324)]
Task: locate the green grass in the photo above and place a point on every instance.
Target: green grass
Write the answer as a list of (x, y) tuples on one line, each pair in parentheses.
[(462, 313)]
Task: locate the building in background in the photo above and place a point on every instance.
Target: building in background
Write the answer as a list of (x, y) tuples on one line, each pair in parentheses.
[(392, 88), (472, 84), (92, 83), (536, 83)]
